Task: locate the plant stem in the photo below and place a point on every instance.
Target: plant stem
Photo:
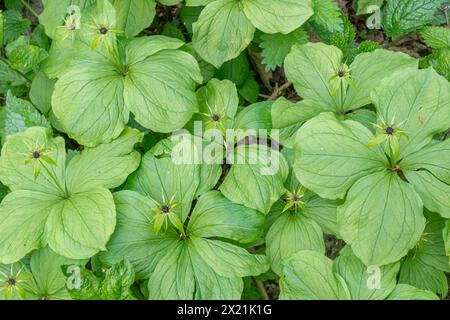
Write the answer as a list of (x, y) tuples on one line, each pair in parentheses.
[(27, 5), (342, 97), (262, 289), (53, 178)]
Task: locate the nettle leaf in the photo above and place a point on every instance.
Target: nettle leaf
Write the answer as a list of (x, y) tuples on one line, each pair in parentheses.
[(112, 284), (311, 67), (226, 27), (366, 283), (93, 118), (425, 265), (309, 275), (19, 115), (14, 25), (74, 216), (386, 189), (327, 15), (256, 177), (187, 265), (276, 46), (403, 16), (436, 37)]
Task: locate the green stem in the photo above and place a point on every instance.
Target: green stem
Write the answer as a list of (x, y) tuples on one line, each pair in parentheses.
[(27, 5), (342, 98), (53, 178)]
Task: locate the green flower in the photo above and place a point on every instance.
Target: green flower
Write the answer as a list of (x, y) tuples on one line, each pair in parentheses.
[(390, 133), (164, 212), (294, 199), (37, 157), (14, 283)]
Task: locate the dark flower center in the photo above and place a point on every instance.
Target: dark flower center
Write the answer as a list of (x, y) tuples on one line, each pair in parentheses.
[(216, 117), (340, 73), (36, 154), (389, 130), (71, 27), (11, 282), (295, 198), (103, 30), (165, 209)]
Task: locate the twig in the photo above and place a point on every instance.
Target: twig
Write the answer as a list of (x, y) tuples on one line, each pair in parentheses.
[(262, 289), (27, 5), (278, 90), (445, 9)]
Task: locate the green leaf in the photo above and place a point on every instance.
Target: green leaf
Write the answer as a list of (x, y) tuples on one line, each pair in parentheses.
[(249, 90), (49, 280), (169, 103), (41, 92), (420, 100), (310, 67), (255, 116), (133, 16), (407, 292), (434, 193), (222, 32), (288, 117), (31, 210), (276, 46), (76, 221), (256, 178), (82, 284), (369, 70), (291, 233), (17, 175), (327, 14), (14, 25), (161, 179), (403, 16), (19, 115), (236, 70), (233, 262), (182, 267), (282, 16), (394, 210), (215, 215), (25, 57), (117, 282), (165, 106), (433, 158), (80, 226), (361, 280), (309, 275), (87, 116), (436, 37), (329, 162), (56, 10), (108, 164), (425, 265)]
